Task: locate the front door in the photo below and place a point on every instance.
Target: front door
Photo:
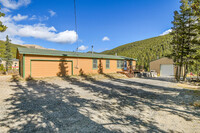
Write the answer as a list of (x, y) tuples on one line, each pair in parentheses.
[(125, 65)]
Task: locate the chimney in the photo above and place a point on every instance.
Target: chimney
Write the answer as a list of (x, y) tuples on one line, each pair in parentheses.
[(115, 54), (92, 49)]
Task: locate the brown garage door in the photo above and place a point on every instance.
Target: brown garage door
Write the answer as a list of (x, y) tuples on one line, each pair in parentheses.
[(50, 68)]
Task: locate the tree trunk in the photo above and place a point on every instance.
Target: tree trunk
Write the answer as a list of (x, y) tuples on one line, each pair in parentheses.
[(197, 69), (7, 66), (176, 75), (179, 74), (185, 72)]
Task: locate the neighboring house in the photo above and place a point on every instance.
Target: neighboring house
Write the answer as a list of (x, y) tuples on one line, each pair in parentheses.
[(15, 64), (163, 66), (47, 63)]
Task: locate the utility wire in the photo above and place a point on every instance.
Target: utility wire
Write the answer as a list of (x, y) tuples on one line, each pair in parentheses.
[(75, 21), (76, 32)]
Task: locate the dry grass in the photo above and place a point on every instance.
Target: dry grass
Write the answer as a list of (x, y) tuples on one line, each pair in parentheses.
[(191, 87), (93, 76), (106, 76)]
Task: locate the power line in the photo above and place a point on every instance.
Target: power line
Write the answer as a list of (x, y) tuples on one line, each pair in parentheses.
[(75, 21), (76, 33)]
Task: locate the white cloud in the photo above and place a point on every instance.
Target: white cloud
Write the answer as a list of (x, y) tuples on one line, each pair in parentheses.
[(16, 40), (33, 17), (52, 13), (166, 32), (5, 10), (14, 4), (43, 18), (105, 38), (40, 18), (82, 48), (20, 17), (39, 31)]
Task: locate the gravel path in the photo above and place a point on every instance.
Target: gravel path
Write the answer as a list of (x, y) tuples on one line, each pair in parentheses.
[(88, 105)]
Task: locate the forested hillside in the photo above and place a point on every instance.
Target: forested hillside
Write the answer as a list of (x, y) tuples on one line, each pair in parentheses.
[(13, 49), (144, 51)]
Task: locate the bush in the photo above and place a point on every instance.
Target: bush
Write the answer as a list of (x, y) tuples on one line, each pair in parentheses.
[(2, 69)]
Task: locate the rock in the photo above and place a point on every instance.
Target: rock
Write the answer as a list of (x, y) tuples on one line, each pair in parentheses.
[(197, 103)]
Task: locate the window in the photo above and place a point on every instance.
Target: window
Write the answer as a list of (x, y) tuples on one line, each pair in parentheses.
[(94, 64), (120, 64), (107, 64)]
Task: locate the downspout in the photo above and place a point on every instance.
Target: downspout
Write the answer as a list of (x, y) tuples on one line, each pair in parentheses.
[(23, 65)]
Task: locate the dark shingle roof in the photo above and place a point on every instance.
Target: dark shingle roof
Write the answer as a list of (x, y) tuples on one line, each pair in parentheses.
[(48, 52)]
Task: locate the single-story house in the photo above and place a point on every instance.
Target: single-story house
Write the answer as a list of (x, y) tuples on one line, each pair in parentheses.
[(47, 63), (15, 63), (164, 67)]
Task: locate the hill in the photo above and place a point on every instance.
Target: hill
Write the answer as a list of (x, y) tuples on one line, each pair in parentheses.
[(145, 50), (13, 49), (93, 52)]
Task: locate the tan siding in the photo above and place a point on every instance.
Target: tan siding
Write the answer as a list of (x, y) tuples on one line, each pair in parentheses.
[(44, 69)]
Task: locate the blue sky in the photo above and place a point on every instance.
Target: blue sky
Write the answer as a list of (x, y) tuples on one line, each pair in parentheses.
[(105, 24)]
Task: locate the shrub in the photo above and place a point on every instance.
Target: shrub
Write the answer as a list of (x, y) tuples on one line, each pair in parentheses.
[(2, 68)]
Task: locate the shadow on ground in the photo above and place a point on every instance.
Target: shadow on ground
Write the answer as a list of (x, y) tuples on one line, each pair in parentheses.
[(40, 106)]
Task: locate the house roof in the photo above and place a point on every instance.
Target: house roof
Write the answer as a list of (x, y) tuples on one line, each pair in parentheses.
[(34, 51), (160, 59)]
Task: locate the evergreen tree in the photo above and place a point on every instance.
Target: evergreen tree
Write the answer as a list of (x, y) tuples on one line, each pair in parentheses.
[(8, 54), (196, 40), (2, 27), (183, 38), (175, 42)]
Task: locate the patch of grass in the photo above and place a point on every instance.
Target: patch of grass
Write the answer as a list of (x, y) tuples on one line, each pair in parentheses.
[(107, 76), (190, 87)]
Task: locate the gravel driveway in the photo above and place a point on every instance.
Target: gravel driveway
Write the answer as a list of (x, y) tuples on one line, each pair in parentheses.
[(71, 104)]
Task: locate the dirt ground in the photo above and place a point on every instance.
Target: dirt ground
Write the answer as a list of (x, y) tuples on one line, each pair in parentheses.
[(85, 104)]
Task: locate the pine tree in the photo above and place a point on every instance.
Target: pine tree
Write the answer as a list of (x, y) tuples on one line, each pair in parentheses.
[(196, 40), (8, 54), (175, 42), (2, 27), (183, 38)]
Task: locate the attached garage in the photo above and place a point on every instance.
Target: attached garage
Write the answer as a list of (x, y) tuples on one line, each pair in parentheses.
[(50, 68)]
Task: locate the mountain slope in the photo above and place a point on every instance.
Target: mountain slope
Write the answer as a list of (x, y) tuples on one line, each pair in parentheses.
[(145, 50)]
